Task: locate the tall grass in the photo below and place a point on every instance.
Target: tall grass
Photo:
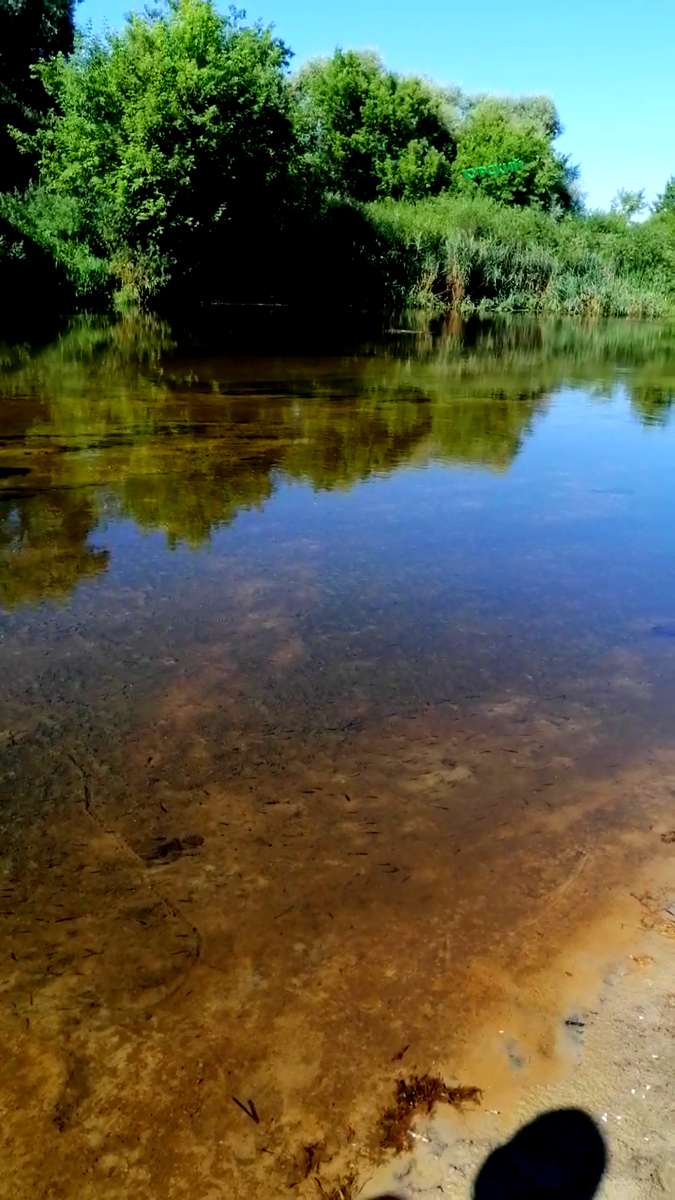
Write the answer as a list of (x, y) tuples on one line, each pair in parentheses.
[(475, 255)]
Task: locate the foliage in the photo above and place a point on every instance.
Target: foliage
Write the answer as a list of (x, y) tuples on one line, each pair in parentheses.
[(476, 254), (629, 204), (496, 131), (369, 132), (180, 162), (50, 226), (665, 202), (29, 30), (171, 142)]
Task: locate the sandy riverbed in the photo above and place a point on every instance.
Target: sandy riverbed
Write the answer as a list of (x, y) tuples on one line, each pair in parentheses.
[(303, 939)]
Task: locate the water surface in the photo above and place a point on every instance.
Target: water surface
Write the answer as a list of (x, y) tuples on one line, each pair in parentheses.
[(328, 662)]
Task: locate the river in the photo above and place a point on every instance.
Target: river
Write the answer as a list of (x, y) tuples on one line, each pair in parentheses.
[(337, 696)]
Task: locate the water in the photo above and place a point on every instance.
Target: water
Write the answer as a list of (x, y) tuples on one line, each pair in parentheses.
[(338, 689)]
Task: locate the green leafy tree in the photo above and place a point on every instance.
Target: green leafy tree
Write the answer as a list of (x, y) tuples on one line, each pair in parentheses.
[(496, 131), (170, 150), (370, 133), (629, 204), (30, 30), (539, 111), (665, 202)]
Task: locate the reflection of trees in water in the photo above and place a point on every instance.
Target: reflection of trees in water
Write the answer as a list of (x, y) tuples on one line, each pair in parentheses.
[(652, 405), (486, 431), (89, 343), (347, 441), (45, 518), (182, 446), (43, 546), (189, 510), (378, 435), (457, 342)]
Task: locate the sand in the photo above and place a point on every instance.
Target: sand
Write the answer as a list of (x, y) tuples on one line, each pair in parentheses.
[(615, 1060)]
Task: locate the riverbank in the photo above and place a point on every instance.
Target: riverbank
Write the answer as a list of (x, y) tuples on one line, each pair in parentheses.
[(475, 255), (467, 255), (595, 1034)]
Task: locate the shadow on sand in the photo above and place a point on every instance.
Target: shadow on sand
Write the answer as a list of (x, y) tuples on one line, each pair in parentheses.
[(561, 1155)]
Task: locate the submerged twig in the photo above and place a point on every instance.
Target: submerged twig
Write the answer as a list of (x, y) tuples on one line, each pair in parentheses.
[(250, 1112)]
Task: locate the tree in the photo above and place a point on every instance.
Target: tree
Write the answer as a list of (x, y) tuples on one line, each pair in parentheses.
[(628, 204), (665, 202), (30, 30), (539, 111), (169, 154), (497, 131), (369, 132)]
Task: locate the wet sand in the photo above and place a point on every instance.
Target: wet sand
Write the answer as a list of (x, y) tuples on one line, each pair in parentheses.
[(594, 1032)]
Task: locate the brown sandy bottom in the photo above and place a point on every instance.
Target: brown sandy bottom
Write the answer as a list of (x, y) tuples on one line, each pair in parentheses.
[(211, 991)]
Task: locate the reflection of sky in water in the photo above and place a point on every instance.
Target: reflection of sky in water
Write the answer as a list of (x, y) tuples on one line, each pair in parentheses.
[(580, 512), (339, 538), (430, 581)]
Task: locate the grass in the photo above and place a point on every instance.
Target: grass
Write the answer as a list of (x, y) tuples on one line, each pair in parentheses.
[(477, 256)]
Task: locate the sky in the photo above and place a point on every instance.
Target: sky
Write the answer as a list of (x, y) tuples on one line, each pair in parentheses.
[(607, 64)]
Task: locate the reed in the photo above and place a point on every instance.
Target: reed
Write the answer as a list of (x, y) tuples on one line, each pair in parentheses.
[(475, 255)]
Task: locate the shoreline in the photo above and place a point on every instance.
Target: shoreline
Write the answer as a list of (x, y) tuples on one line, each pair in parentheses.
[(614, 1060), (594, 1032)]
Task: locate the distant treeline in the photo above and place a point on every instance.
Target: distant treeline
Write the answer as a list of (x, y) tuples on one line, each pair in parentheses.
[(181, 160)]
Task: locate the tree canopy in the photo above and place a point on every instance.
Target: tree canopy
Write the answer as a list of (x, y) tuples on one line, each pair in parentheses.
[(665, 201), (629, 204), (180, 155), (495, 131), (167, 142), (30, 30), (369, 132)]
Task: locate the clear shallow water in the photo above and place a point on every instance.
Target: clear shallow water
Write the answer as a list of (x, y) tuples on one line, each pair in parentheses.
[(306, 659)]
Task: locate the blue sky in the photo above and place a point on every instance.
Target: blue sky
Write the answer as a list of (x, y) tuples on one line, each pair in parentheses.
[(608, 65)]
